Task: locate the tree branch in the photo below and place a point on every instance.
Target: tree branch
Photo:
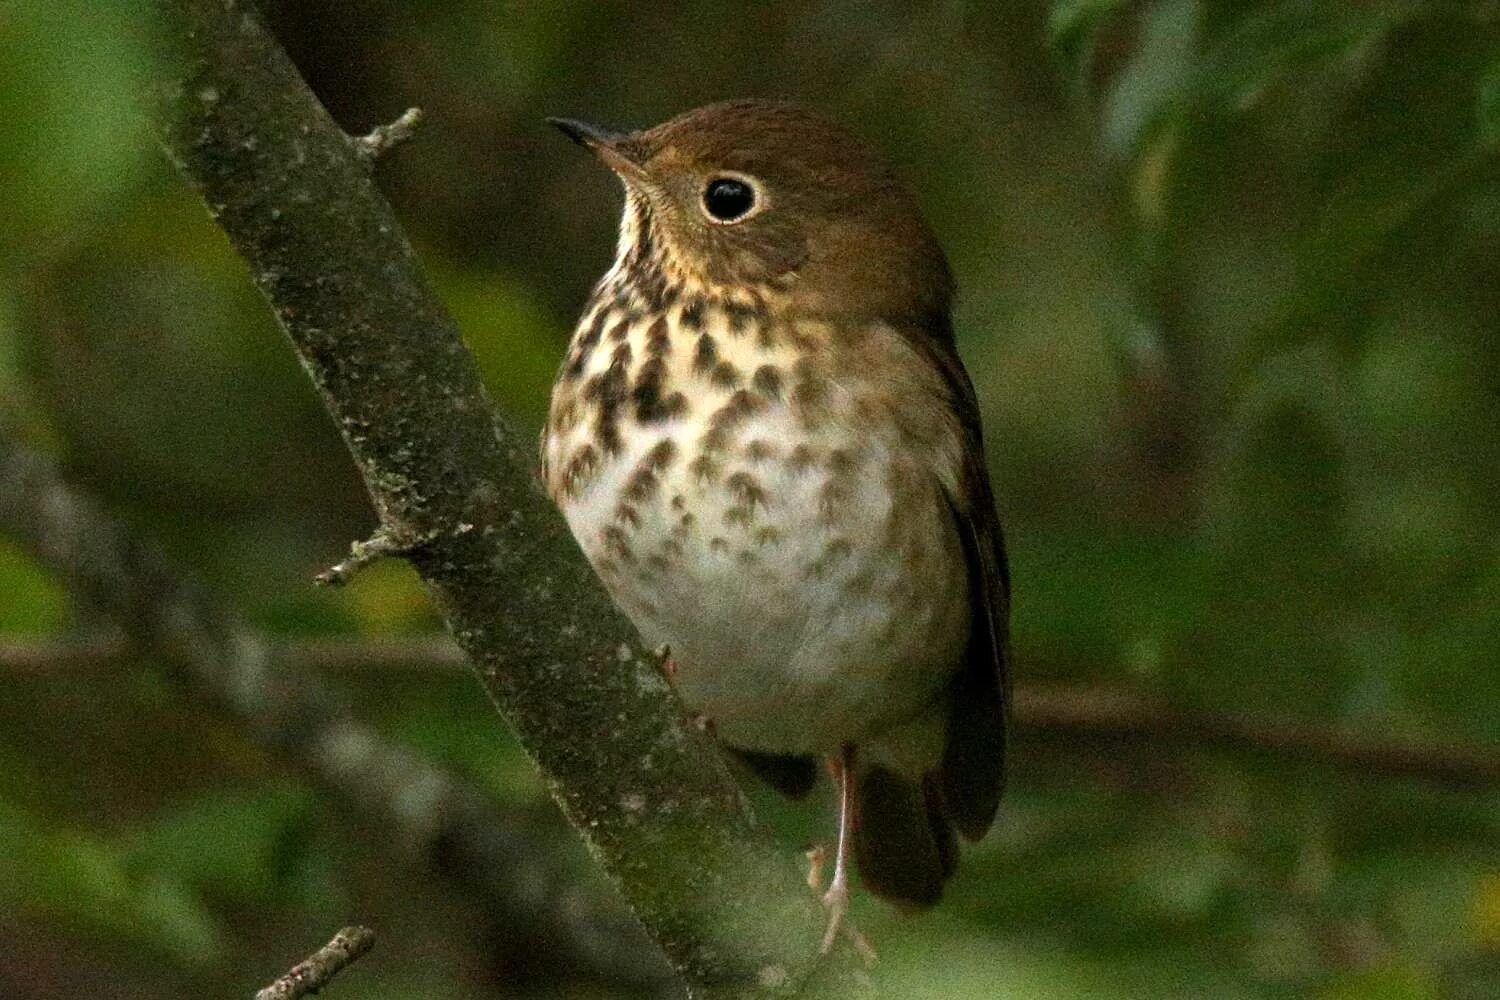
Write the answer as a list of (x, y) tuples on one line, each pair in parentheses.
[(1101, 713), (443, 820), (650, 795), (1094, 713), (317, 970)]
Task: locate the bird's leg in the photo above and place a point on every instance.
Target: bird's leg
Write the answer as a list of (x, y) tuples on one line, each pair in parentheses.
[(836, 899)]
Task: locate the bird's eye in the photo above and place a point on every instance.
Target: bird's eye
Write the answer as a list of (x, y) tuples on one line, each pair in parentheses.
[(728, 199)]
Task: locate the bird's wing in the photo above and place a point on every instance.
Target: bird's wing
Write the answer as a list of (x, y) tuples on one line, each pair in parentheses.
[(972, 773)]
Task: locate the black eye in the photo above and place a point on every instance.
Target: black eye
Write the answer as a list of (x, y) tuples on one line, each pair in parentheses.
[(728, 199)]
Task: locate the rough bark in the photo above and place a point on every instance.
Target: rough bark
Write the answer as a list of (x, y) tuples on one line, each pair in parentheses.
[(454, 489), (317, 970)]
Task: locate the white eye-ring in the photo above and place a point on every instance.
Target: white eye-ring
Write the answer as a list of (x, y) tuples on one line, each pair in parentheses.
[(730, 198)]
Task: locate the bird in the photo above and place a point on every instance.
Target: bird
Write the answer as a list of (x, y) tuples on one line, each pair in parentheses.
[(763, 439)]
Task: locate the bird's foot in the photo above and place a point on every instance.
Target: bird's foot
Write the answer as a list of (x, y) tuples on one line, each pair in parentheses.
[(663, 654), (836, 902), (817, 856)]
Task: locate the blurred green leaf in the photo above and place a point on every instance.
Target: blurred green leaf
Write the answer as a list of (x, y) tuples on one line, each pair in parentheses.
[(1488, 105), (71, 90), (82, 881), (34, 603), (237, 847)]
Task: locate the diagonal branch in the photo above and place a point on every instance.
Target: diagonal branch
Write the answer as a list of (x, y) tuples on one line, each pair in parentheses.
[(443, 820), (650, 795)]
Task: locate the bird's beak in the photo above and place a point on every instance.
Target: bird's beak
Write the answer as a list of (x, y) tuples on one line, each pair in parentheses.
[(618, 150)]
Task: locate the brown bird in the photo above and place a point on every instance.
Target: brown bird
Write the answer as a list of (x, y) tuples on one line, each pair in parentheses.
[(764, 440)]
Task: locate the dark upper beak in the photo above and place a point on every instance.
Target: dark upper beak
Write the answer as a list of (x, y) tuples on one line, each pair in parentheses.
[(585, 134), (616, 149)]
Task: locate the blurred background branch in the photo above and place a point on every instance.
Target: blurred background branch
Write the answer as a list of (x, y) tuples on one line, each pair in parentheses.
[(457, 831), (1086, 713)]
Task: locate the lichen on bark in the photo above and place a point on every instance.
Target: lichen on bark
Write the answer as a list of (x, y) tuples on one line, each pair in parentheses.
[(452, 482)]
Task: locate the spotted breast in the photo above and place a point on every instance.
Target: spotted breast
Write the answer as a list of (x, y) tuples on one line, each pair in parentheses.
[(779, 527)]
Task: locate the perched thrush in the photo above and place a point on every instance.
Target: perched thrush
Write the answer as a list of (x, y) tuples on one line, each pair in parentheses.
[(764, 440)]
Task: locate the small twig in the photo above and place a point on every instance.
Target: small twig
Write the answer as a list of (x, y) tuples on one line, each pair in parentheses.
[(317, 970), (384, 138), (378, 546)]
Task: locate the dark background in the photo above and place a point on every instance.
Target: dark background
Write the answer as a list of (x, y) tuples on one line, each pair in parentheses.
[(1230, 294)]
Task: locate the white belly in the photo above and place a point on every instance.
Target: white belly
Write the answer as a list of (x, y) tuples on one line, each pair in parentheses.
[(799, 609)]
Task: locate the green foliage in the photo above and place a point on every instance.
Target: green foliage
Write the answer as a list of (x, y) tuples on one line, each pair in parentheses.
[(1229, 274)]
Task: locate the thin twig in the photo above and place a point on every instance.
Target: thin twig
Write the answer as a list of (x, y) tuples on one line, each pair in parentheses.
[(384, 138), (318, 969), (380, 545)]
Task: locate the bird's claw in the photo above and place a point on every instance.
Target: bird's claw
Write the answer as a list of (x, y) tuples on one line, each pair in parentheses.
[(817, 856), (836, 902)]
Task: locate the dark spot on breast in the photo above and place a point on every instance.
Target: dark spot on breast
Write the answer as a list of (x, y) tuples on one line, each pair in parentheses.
[(704, 469), (744, 488), (739, 516), (641, 484), (747, 557), (767, 334), (607, 392), (801, 458), (650, 405), (706, 355), (767, 535), (739, 406), (671, 548), (565, 416), (767, 381), (661, 454), (842, 462), (620, 330), (760, 450), (724, 375), (626, 514), (678, 503), (658, 562), (579, 469), (616, 544), (692, 314), (834, 552), (831, 499), (740, 314), (810, 398), (715, 439), (717, 544), (658, 339)]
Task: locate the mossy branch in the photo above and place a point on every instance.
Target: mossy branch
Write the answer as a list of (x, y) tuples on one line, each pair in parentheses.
[(454, 485)]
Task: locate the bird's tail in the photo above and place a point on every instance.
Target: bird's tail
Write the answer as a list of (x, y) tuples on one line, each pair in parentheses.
[(903, 843)]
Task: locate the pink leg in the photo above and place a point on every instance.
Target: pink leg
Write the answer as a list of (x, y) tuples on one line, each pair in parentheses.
[(836, 899)]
